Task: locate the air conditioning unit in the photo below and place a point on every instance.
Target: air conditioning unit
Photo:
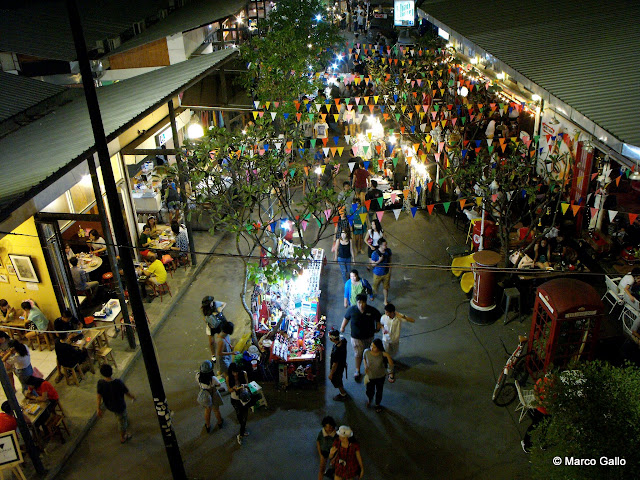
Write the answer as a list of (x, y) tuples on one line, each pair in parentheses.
[(113, 43), (99, 46), (163, 13), (138, 27)]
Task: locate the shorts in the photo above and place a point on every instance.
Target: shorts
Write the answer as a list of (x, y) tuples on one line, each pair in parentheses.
[(173, 206), (391, 347), (385, 279), (360, 190), (155, 281), (360, 345), (336, 380), (123, 420)]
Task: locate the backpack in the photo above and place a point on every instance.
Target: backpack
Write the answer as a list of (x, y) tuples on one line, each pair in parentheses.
[(215, 321)]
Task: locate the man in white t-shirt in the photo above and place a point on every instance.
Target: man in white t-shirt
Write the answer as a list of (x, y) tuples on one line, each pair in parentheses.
[(391, 323), (625, 287)]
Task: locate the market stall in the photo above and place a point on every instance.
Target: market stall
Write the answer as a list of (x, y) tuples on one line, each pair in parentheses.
[(287, 320)]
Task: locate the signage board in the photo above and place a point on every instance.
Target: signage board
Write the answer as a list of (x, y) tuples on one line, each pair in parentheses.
[(404, 13)]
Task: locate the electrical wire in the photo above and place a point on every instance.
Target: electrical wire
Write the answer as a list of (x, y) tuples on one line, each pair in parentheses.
[(455, 316), (407, 266)]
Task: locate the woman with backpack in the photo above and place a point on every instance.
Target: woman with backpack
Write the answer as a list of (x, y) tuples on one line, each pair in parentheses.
[(209, 397), (213, 317), (224, 350)]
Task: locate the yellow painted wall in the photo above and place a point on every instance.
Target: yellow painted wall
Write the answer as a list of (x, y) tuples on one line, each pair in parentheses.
[(16, 291)]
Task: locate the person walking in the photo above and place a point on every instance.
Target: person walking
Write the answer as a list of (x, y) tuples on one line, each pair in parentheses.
[(343, 253), (381, 260), (359, 227), (338, 364), (324, 442), (373, 236), (213, 317), (112, 391), (345, 455), (391, 323), (354, 287), (224, 350), (376, 372), (208, 396), (360, 181), (365, 321), (241, 400)]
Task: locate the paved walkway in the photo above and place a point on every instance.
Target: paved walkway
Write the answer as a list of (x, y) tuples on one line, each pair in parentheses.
[(439, 422)]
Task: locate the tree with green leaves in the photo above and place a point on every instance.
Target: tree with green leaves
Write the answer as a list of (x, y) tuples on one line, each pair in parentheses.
[(294, 42), (243, 184), (594, 413)]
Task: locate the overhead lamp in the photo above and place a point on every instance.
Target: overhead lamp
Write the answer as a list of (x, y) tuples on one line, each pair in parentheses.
[(635, 175), (474, 61), (195, 130), (535, 97), (464, 91)]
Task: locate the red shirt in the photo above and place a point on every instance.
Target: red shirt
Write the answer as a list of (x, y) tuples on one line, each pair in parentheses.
[(51, 392), (7, 422), (360, 178), (346, 462)]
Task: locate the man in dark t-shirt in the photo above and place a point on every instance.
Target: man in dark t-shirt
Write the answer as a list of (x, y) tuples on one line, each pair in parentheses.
[(365, 322), (112, 391), (338, 363), (67, 355), (374, 194), (67, 322)]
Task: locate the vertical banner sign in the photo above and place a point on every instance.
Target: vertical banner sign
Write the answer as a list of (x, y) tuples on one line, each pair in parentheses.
[(404, 13), (580, 182)]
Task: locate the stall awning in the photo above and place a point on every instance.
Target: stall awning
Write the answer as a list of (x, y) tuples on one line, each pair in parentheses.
[(35, 156), (583, 53)]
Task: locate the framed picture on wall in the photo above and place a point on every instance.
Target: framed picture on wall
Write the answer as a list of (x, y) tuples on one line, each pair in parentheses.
[(24, 268)]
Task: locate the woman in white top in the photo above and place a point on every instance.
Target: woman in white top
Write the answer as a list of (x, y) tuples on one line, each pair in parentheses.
[(209, 397), (96, 243), (19, 357), (374, 234)]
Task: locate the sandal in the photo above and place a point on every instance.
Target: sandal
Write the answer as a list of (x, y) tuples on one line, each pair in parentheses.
[(392, 378), (379, 408), (126, 438)]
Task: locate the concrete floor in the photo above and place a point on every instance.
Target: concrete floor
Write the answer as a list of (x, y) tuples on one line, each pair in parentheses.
[(440, 422)]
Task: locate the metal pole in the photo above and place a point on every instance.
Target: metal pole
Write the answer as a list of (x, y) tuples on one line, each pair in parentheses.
[(182, 181), (32, 449), (144, 335), (111, 253)]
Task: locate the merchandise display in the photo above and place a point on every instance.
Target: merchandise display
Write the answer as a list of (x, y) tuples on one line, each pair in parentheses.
[(292, 307)]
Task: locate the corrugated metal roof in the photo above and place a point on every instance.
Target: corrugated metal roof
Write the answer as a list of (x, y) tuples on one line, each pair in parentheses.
[(189, 17), (20, 93), (584, 53), (41, 27), (43, 148)]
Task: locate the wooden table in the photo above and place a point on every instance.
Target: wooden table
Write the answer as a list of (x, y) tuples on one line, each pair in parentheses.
[(35, 421)]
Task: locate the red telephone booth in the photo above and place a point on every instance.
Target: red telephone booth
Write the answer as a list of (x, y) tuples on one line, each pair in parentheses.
[(566, 320)]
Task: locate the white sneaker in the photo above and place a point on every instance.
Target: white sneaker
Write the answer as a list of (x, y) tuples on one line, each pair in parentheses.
[(239, 439)]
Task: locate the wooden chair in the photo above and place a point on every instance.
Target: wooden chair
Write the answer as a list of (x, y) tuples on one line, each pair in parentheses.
[(161, 290), (105, 355), (169, 264), (72, 373), (107, 279), (184, 261), (55, 425), (40, 339)]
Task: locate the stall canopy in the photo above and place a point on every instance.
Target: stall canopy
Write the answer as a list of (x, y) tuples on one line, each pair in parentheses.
[(584, 54), (18, 94), (193, 15), (41, 152)]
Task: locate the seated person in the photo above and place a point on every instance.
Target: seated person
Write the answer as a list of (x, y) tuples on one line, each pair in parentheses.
[(629, 286), (67, 355), (181, 243), (152, 223), (7, 421), (67, 323), (145, 236), (155, 272), (40, 390), (565, 253), (7, 312), (81, 279), (34, 315), (68, 252), (542, 253)]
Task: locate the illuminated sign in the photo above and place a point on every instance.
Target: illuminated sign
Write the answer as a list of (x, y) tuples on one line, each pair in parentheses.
[(404, 13)]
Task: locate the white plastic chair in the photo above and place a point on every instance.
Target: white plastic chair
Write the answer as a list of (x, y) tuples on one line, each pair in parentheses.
[(527, 400), (629, 318), (612, 295)]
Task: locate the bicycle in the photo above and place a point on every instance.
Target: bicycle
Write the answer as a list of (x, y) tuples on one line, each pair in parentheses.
[(505, 392)]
